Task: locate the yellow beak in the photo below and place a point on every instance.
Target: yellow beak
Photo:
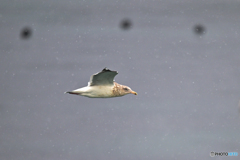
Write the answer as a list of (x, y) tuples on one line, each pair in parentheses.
[(134, 92)]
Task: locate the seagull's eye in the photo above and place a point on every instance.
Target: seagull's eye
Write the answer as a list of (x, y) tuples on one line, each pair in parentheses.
[(126, 89)]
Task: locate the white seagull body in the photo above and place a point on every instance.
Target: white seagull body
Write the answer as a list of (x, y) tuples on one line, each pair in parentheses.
[(102, 85)]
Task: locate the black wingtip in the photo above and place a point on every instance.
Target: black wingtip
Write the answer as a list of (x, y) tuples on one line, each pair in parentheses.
[(105, 69), (108, 70)]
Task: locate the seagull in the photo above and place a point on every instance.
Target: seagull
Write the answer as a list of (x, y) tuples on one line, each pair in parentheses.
[(102, 85)]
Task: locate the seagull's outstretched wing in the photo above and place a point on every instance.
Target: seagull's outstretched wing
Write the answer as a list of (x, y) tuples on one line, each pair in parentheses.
[(104, 78)]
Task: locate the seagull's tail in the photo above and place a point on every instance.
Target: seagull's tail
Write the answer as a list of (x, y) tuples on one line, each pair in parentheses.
[(71, 92)]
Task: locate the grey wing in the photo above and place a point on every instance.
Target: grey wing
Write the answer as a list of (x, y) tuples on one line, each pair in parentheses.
[(105, 77)]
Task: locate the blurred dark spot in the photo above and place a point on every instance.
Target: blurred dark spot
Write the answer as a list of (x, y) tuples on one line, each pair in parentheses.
[(26, 33), (199, 29), (126, 24)]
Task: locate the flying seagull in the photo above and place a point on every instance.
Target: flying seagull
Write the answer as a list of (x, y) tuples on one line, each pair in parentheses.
[(102, 85)]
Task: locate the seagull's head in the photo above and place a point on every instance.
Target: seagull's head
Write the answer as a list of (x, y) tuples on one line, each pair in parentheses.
[(128, 90)]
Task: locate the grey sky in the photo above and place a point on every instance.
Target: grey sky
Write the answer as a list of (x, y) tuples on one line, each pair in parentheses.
[(187, 84)]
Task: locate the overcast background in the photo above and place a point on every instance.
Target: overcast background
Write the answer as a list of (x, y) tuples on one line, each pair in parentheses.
[(188, 82)]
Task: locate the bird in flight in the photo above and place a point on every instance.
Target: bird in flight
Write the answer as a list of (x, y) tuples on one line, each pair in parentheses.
[(102, 85)]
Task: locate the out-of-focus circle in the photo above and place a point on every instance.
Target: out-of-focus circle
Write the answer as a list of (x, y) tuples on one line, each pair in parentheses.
[(26, 33), (126, 24), (199, 29)]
